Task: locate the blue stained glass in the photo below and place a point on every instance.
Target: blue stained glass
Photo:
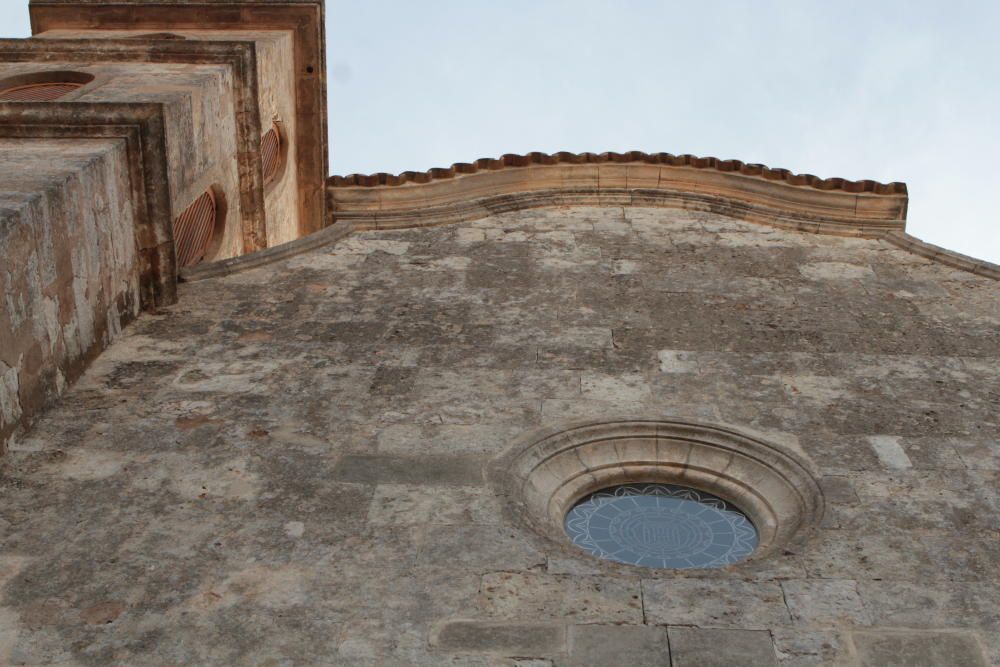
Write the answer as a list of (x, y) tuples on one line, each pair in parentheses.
[(662, 526)]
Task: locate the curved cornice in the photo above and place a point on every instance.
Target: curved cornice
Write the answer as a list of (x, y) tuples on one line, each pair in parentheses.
[(224, 267), (513, 160), (743, 191), (944, 256)]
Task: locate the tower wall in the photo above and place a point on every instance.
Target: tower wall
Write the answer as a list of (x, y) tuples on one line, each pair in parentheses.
[(188, 93), (70, 278)]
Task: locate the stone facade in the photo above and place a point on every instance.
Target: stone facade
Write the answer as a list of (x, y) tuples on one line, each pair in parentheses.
[(350, 436), (313, 438)]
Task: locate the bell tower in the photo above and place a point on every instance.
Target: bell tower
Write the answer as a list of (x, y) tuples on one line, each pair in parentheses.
[(139, 139)]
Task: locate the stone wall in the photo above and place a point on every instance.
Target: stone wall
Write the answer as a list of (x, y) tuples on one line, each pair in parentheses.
[(291, 464), (275, 91), (69, 275), (275, 60), (200, 131)]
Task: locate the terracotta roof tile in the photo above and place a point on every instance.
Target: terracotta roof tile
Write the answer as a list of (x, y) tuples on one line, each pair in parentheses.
[(511, 160)]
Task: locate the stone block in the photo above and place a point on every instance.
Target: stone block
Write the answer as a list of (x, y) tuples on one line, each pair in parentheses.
[(409, 505), (457, 470), (825, 602), (628, 388), (709, 647), (890, 452), (392, 381), (436, 439), (632, 645), (930, 604), (918, 649), (478, 548), (982, 455), (529, 383), (711, 602), (557, 410), (504, 638), (838, 489), (902, 554), (581, 599), (678, 361), (797, 647)]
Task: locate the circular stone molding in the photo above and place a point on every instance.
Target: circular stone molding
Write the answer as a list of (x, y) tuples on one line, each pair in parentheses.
[(546, 473)]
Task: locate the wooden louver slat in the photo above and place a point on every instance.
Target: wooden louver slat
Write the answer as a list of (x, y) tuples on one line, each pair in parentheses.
[(270, 154), (193, 230), (38, 92)]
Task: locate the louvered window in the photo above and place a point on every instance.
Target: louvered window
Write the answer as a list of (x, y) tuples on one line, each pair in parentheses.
[(270, 153), (38, 92), (194, 229)]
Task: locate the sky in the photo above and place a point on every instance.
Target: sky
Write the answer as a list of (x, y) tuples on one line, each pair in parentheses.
[(892, 91)]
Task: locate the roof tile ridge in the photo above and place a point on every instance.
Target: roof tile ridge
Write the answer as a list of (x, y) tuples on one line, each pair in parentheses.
[(514, 160)]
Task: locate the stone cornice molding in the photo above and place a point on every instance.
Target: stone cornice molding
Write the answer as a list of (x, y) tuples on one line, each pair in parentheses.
[(327, 236), (142, 127), (303, 18), (750, 192), (742, 191), (944, 256), (535, 158), (240, 56)]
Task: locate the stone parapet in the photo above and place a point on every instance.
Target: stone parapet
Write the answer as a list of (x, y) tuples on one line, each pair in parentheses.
[(742, 191), (751, 192)]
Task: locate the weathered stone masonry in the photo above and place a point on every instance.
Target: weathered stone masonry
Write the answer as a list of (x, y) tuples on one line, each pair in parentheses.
[(312, 438), (353, 448)]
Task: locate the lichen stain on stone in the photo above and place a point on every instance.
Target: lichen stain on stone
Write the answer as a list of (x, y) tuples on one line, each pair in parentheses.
[(836, 271), (10, 403), (231, 480), (227, 377), (271, 588), (92, 464), (102, 613)]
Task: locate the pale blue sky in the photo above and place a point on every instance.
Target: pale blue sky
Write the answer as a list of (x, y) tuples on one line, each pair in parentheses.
[(904, 91)]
